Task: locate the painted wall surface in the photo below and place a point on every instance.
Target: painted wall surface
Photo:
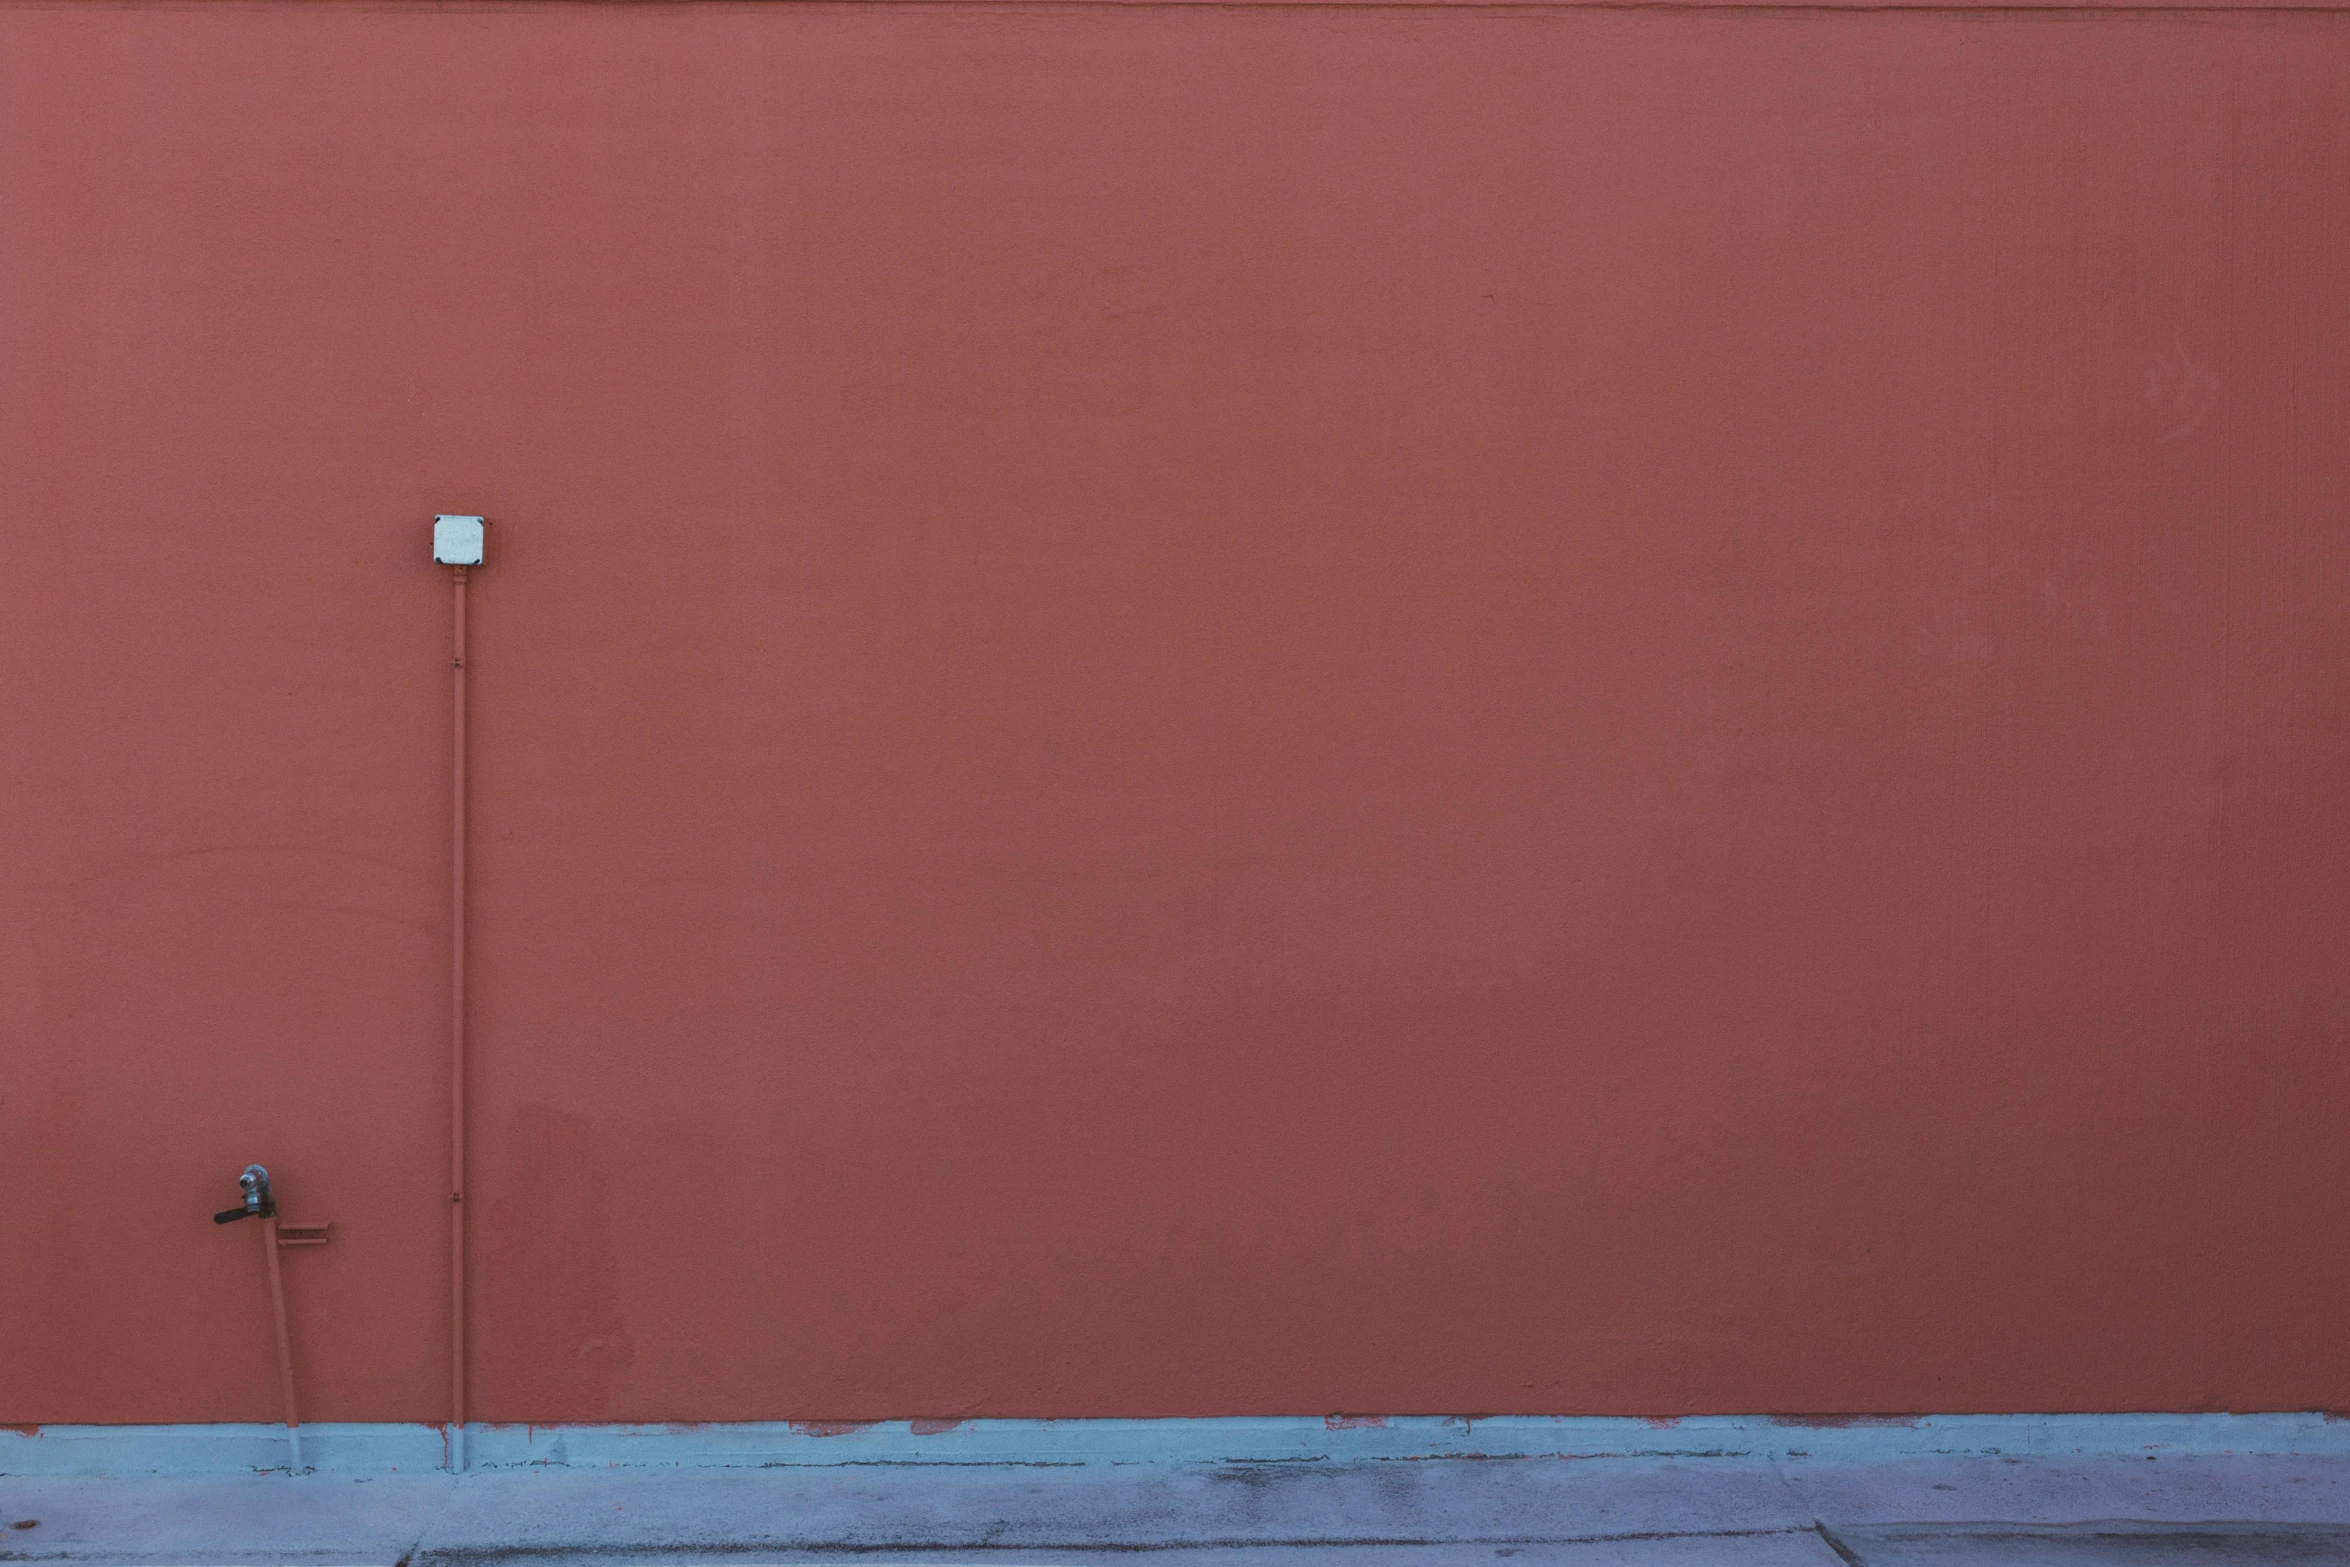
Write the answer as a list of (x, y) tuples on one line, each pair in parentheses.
[(1181, 710)]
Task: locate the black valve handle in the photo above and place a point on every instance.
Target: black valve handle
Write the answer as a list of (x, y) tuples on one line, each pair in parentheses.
[(232, 1216)]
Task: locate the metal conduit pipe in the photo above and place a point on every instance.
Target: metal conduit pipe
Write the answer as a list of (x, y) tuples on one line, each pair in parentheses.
[(457, 542), (457, 1038)]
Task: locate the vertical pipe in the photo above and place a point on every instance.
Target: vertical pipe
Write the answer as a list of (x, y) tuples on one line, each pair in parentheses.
[(457, 1043), (285, 1342)]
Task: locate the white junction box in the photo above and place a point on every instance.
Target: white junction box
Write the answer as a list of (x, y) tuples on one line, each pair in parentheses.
[(456, 541)]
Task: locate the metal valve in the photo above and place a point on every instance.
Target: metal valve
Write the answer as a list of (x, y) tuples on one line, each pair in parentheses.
[(259, 1204)]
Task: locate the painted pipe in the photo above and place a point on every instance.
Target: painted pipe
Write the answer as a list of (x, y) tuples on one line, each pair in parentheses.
[(457, 542), (457, 1037), (261, 1203), (285, 1339)]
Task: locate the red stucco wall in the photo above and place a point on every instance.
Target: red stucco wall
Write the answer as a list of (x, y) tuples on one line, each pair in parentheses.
[(1181, 710)]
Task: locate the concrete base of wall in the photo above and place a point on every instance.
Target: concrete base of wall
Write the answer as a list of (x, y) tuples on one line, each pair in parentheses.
[(364, 1448), (2142, 1510)]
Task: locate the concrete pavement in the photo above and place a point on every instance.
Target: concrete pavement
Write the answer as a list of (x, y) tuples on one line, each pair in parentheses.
[(1636, 1512)]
